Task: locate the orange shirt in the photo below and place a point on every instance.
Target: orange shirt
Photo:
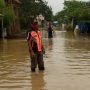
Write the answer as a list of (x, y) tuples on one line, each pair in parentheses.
[(37, 37)]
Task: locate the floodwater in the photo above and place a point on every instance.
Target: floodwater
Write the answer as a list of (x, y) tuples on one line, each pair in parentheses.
[(67, 64)]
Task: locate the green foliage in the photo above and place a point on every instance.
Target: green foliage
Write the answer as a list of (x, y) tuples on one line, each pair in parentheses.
[(9, 15), (60, 16), (74, 9), (7, 12), (30, 9), (2, 6), (69, 27), (84, 15), (45, 10)]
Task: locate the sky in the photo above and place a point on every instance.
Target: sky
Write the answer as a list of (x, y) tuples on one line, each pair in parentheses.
[(57, 5)]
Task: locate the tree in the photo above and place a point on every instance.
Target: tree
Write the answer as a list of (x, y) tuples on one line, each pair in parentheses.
[(75, 9), (30, 9), (9, 15), (2, 6)]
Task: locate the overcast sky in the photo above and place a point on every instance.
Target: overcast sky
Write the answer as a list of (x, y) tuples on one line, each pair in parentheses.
[(57, 5)]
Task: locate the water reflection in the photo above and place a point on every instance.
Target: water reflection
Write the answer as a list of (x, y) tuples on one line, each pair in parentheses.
[(68, 66), (37, 81), (50, 44), (13, 65), (3, 46), (78, 55)]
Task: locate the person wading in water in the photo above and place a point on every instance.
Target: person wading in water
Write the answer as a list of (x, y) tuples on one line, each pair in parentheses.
[(35, 47)]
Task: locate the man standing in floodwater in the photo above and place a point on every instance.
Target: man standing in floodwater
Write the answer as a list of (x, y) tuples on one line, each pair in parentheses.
[(35, 47)]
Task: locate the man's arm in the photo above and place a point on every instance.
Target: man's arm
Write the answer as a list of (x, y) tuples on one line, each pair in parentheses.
[(43, 49), (29, 45)]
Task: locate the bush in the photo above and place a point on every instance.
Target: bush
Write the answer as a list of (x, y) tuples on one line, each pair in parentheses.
[(69, 27)]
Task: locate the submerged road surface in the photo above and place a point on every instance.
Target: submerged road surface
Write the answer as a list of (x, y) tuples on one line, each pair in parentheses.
[(67, 64)]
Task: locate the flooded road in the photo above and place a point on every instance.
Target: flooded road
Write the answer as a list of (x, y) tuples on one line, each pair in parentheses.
[(67, 64)]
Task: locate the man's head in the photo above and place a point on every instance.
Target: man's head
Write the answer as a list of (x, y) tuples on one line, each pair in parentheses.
[(35, 25)]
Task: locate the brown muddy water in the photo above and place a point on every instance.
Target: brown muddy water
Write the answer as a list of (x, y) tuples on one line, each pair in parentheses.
[(67, 64)]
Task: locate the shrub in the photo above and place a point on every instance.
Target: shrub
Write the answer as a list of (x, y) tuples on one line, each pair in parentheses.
[(69, 27)]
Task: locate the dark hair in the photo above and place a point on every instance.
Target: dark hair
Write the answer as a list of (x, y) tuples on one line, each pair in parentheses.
[(34, 23)]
